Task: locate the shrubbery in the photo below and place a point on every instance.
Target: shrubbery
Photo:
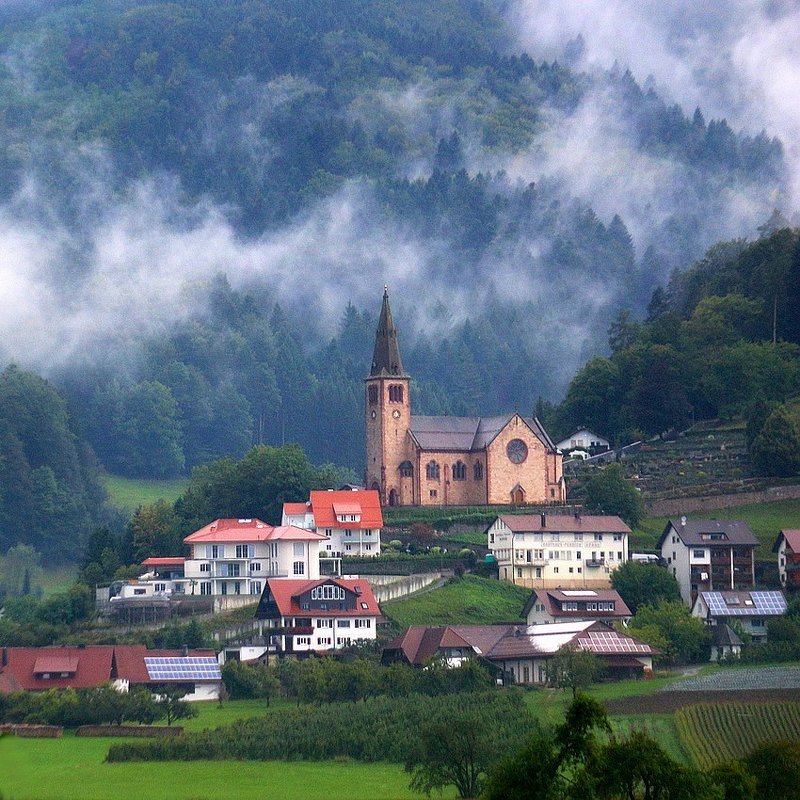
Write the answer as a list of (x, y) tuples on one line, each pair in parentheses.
[(381, 729)]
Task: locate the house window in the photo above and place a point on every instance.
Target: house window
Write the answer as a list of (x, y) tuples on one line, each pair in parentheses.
[(255, 566), (205, 568), (519, 572), (245, 550), (578, 537), (160, 587), (139, 591), (342, 623), (459, 471), (372, 395), (299, 568), (619, 555), (327, 591), (434, 493), (432, 471), (255, 587), (348, 547), (598, 537), (395, 393), (617, 537), (699, 553), (215, 551), (477, 470), (363, 623), (368, 546), (406, 470), (297, 549), (205, 587), (348, 532)]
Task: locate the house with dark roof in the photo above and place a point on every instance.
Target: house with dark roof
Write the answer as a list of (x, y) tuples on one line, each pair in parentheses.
[(350, 519), (568, 551), (414, 460), (584, 439), (787, 546), (750, 609), (709, 555), (549, 606), (36, 669), (302, 617), (522, 652)]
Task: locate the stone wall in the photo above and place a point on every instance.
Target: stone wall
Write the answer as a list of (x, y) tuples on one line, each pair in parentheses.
[(671, 507), (390, 587)]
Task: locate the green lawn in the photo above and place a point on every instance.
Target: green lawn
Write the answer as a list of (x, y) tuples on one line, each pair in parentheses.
[(129, 493), (469, 600), (73, 768)]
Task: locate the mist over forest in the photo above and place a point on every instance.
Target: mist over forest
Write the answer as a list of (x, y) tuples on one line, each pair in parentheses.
[(200, 203)]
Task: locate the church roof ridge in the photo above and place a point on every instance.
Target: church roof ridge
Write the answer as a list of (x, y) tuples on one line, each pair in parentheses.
[(386, 355)]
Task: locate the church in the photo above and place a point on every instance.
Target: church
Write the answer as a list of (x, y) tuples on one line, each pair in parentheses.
[(448, 461)]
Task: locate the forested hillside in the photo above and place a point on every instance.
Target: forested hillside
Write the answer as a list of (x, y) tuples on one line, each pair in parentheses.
[(202, 202)]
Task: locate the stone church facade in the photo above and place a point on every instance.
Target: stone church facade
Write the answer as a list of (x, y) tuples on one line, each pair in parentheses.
[(442, 461)]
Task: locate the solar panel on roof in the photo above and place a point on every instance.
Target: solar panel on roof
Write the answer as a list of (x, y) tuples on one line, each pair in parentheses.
[(578, 593), (760, 603), (191, 668)]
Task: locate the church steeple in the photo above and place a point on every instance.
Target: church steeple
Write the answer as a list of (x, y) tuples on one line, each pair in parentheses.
[(386, 355)]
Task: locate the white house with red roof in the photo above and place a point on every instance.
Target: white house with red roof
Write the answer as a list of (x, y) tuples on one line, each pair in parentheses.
[(237, 556), (548, 606), (229, 557), (317, 616), (36, 669), (350, 519)]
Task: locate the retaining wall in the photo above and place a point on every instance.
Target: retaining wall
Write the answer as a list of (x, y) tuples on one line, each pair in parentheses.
[(390, 587), (666, 508)]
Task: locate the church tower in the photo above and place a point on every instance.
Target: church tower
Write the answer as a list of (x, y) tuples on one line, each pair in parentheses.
[(387, 416)]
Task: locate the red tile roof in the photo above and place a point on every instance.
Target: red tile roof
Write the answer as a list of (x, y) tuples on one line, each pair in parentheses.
[(88, 666), (248, 530), (295, 508), (553, 600), (94, 665), (792, 536), (563, 523), (418, 644), (365, 502), (285, 591)]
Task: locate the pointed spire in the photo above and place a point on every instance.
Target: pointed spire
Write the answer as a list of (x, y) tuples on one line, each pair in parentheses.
[(386, 356)]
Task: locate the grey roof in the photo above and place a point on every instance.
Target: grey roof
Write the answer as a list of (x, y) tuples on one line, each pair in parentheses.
[(563, 523), (736, 531), (386, 355), (464, 434), (724, 636)]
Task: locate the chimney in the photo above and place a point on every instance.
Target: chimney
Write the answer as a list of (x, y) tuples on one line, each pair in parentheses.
[(185, 650), (544, 520)]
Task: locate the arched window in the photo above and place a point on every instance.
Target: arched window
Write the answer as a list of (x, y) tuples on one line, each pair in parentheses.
[(478, 470), (376, 486), (432, 471), (406, 470), (395, 393), (392, 497), (459, 471), (372, 393)]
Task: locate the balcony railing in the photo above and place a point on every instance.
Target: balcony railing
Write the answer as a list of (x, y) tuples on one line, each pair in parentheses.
[(595, 562)]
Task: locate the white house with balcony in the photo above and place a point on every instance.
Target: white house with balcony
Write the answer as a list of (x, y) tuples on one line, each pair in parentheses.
[(237, 556), (350, 520), (546, 551)]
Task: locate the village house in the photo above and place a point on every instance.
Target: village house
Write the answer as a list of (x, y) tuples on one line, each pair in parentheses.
[(787, 546), (229, 558), (316, 616), (708, 555), (442, 461), (522, 653), (751, 610), (548, 606), (350, 520), (584, 439), (125, 667), (568, 551)]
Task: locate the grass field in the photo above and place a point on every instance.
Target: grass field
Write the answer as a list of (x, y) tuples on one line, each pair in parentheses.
[(73, 768), (469, 600), (129, 493)]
